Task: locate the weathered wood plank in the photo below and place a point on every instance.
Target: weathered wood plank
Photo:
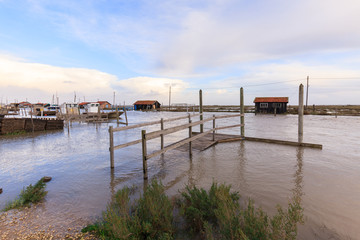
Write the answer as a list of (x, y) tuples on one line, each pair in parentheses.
[(229, 116), (232, 126), (157, 134), (300, 144), (209, 145), (178, 144), (136, 126), (127, 144)]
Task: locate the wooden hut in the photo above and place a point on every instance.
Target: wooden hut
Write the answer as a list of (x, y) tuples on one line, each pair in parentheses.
[(104, 105), (271, 104), (146, 105)]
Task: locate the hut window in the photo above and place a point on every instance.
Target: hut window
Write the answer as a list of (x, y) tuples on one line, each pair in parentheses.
[(263, 105), (277, 105)]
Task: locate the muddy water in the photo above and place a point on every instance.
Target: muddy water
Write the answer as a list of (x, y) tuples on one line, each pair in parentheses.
[(77, 158)]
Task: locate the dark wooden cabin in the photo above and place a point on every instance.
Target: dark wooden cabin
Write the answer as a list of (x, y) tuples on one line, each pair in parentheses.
[(146, 105), (269, 104)]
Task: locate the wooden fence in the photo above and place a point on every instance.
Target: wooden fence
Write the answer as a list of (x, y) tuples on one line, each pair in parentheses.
[(162, 132)]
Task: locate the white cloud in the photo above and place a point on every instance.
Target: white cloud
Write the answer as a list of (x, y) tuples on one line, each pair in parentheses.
[(236, 33), (20, 79), (17, 73)]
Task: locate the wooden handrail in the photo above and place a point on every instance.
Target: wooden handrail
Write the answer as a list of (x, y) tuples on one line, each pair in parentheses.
[(232, 126), (229, 116), (157, 134), (152, 123), (127, 144), (135, 126)]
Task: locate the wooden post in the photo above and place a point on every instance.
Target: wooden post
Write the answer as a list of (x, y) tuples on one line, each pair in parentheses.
[(201, 111), (99, 114), (117, 114), (144, 153), (190, 136), (301, 113), (169, 97), (162, 135), (275, 111), (242, 111), (125, 115), (213, 135), (111, 134), (32, 121), (307, 92)]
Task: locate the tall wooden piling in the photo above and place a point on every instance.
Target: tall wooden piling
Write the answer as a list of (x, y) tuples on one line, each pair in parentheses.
[(126, 119), (32, 121), (162, 135), (111, 149), (242, 111), (190, 136), (201, 111), (213, 135), (117, 114), (301, 113), (144, 153)]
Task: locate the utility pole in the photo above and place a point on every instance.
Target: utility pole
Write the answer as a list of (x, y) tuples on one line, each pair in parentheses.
[(301, 114), (201, 111), (114, 100), (169, 96), (307, 92)]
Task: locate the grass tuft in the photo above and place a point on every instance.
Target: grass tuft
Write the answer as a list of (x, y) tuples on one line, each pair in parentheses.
[(30, 194)]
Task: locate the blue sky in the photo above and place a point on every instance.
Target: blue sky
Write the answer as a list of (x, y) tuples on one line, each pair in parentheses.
[(138, 49)]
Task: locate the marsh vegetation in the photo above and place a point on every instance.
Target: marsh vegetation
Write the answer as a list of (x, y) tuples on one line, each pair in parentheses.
[(195, 214)]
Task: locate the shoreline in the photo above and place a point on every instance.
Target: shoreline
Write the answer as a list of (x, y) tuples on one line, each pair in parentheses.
[(326, 110)]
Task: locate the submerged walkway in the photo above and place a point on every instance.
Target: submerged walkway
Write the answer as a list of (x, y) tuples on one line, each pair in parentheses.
[(206, 141)]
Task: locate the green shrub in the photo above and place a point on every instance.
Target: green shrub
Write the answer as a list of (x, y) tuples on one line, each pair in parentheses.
[(148, 218), (213, 214), (199, 207), (154, 211), (32, 194), (216, 214)]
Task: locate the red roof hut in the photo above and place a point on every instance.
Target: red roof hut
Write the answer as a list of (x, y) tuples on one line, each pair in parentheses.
[(271, 104)]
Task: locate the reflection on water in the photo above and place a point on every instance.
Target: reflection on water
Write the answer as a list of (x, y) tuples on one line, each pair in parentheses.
[(327, 181)]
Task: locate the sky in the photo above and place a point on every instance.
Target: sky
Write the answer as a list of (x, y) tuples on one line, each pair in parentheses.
[(87, 50)]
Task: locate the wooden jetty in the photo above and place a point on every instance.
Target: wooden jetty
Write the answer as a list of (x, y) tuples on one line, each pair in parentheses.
[(202, 140)]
